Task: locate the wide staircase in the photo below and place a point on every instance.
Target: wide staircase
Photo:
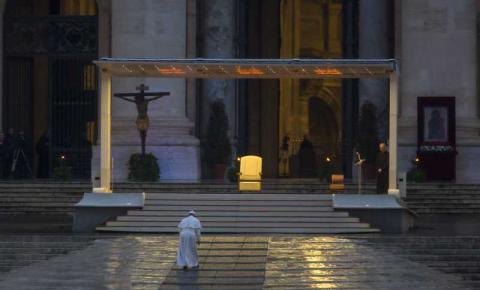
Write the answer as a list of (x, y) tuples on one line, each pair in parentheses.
[(51, 203), (441, 199), (240, 213)]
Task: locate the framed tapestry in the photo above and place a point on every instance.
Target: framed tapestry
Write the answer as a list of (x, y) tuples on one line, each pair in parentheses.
[(436, 137)]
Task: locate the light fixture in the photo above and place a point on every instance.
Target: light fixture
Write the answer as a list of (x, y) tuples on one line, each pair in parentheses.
[(171, 71), (249, 71), (327, 71)]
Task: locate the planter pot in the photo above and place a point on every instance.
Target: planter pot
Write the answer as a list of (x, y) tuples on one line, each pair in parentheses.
[(218, 171)]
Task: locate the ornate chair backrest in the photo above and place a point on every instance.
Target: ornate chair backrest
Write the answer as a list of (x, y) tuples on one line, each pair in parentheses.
[(250, 168)]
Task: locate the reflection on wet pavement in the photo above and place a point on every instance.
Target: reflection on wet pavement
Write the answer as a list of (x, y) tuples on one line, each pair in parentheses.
[(226, 262)]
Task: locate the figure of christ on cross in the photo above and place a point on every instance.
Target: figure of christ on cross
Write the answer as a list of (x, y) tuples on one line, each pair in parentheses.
[(142, 108)]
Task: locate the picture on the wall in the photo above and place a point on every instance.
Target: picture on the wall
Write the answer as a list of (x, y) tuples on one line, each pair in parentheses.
[(435, 124)]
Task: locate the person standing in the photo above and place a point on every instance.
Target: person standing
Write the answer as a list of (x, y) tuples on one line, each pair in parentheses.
[(308, 164), (190, 228), (284, 165), (9, 149), (3, 158), (43, 152), (21, 161), (382, 169)]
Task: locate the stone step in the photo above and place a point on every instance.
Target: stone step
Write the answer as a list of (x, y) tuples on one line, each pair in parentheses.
[(222, 203), (214, 213), (244, 196), (40, 199), (256, 224), (444, 211), (244, 219), (443, 200), (442, 197), (317, 230), (249, 208), (36, 205), (441, 205)]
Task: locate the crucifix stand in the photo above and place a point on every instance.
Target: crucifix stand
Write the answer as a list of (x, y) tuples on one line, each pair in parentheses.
[(359, 163), (141, 101)]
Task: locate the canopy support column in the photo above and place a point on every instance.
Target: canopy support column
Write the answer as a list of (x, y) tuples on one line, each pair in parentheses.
[(393, 123), (105, 131)]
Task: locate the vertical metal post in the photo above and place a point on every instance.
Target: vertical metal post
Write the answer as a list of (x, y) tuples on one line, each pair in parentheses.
[(105, 133), (393, 123)]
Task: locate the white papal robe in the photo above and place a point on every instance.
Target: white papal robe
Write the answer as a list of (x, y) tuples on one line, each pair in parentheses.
[(190, 228)]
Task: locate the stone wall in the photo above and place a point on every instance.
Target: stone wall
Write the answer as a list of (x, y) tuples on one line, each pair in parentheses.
[(438, 58)]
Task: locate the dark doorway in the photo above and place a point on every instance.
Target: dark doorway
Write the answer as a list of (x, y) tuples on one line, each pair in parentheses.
[(324, 131), (50, 81)]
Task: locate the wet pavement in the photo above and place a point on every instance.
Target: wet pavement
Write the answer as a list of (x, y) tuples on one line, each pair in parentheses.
[(229, 262)]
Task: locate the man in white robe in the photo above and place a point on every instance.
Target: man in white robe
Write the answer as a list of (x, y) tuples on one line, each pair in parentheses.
[(189, 238)]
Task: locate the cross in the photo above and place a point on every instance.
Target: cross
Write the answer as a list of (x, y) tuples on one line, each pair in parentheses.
[(141, 102)]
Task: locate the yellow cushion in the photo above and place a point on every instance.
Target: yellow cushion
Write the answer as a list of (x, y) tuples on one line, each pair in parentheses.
[(249, 186)]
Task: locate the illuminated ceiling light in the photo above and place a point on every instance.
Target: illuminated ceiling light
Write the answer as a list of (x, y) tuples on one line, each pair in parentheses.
[(327, 71), (126, 68), (271, 70), (249, 71), (171, 71)]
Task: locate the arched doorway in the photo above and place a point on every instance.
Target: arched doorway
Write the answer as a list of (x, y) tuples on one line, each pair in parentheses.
[(50, 83), (324, 130), (311, 29)]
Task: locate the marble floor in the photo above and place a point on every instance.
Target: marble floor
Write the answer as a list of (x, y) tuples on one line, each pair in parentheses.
[(226, 262)]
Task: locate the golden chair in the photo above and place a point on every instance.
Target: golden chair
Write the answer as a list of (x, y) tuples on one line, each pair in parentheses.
[(250, 175)]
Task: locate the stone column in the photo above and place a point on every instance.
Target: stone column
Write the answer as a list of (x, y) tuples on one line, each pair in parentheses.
[(2, 10), (106, 136), (153, 29), (393, 123), (219, 42), (374, 43), (104, 27)]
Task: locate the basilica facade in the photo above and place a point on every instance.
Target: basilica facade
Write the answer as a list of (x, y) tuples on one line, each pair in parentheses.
[(50, 84)]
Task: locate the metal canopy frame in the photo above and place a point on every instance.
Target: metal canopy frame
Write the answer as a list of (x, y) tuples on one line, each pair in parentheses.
[(244, 69), (249, 68)]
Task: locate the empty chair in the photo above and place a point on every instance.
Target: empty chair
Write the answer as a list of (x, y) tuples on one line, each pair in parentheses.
[(250, 175)]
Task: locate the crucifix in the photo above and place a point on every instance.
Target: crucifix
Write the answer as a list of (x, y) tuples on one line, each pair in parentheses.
[(141, 102)]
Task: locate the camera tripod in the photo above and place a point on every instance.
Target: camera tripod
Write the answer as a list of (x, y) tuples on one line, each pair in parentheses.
[(17, 154)]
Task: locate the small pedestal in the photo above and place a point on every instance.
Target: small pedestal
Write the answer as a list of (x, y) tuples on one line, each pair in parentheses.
[(383, 212), (96, 208)]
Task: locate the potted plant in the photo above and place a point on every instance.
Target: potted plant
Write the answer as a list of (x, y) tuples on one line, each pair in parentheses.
[(416, 173), (143, 167), (217, 148), (62, 171), (326, 169), (368, 138), (233, 172)]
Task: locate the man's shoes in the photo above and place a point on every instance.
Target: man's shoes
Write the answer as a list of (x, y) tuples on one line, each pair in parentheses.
[(185, 268)]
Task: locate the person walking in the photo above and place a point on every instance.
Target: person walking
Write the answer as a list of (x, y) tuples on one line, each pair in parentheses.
[(381, 164), (190, 228)]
